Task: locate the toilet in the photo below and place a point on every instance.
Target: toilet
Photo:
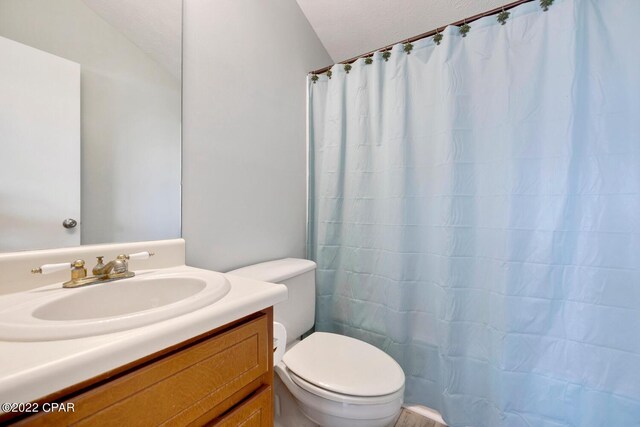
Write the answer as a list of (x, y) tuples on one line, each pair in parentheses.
[(335, 381)]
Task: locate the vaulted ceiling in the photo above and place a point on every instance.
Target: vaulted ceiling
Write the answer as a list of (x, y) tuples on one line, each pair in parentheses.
[(348, 28), (155, 26)]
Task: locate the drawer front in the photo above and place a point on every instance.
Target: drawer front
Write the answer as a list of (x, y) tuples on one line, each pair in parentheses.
[(182, 386), (257, 411)]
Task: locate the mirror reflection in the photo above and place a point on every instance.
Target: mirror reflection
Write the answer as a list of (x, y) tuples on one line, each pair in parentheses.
[(90, 122)]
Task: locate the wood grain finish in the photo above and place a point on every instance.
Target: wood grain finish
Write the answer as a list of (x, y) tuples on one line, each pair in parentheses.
[(257, 411), (204, 381)]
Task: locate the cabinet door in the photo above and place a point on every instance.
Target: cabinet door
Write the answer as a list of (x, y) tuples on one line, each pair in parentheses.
[(257, 411)]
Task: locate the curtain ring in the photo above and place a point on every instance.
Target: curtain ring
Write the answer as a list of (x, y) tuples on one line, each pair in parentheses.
[(464, 29)]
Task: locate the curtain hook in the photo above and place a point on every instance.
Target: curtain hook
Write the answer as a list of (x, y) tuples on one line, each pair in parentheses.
[(545, 4), (408, 47), (503, 16), (465, 29), (437, 37)]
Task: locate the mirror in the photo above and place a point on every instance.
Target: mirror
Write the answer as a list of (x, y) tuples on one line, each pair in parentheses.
[(90, 122)]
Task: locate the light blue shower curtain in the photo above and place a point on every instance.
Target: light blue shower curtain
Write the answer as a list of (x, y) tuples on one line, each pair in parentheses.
[(475, 212)]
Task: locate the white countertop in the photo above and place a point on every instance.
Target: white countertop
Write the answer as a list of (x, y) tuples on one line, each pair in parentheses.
[(31, 370)]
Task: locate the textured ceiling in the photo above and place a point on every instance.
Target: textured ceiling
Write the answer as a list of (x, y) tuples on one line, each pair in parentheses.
[(348, 28), (154, 26)]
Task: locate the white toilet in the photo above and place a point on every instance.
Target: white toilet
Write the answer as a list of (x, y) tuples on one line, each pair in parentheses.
[(335, 380)]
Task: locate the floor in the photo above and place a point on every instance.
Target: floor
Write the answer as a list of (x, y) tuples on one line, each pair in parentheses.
[(411, 419)]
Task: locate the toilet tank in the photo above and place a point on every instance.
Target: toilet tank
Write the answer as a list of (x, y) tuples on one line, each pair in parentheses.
[(298, 312)]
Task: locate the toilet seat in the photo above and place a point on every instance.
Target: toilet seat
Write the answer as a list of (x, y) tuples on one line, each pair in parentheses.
[(339, 367), (345, 398), (343, 382), (347, 411)]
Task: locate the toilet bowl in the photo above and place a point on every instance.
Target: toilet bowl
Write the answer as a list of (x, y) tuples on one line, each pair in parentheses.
[(336, 381), (340, 381)]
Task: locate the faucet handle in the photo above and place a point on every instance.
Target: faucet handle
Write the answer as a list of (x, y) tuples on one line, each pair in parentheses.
[(77, 267), (140, 255), (52, 268)]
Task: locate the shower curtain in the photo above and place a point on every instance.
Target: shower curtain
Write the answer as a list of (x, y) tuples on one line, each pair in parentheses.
[(475, 213)]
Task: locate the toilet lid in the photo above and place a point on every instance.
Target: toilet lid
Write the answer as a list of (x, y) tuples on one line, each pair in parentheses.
[(344, 365)]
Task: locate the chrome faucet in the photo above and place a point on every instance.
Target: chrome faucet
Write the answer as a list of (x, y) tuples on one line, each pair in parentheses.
[(116, 269)]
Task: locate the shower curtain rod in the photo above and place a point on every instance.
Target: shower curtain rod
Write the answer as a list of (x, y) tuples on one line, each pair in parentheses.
[(428, 34)]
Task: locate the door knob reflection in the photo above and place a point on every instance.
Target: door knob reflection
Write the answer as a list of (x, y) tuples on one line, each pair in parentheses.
[(69, 223)]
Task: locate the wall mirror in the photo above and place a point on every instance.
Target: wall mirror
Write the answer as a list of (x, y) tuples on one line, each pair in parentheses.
[(90, 122)]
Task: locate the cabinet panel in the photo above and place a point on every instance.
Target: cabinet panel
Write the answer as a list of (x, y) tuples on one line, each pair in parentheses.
[(193, 384), (257, 411)]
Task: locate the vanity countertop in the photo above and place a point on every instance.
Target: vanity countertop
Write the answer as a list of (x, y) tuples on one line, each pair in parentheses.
[(31, 370)]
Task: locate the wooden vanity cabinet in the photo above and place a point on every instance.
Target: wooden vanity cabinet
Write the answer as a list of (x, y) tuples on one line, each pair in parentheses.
[(223, 377)]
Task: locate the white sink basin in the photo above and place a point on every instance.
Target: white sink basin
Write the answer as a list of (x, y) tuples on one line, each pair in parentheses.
[(55, 313)]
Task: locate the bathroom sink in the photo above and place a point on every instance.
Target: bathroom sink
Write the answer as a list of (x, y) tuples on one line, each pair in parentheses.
[(109, 307)]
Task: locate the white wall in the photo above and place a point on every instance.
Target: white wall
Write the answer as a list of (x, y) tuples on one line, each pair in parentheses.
[(130, 120), (244, 152)]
